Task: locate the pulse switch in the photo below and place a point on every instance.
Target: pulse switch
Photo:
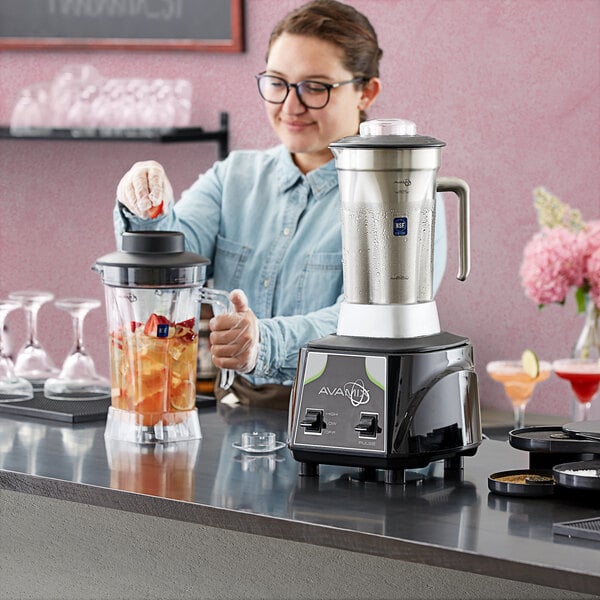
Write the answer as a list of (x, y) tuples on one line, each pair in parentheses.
[(368, 426)]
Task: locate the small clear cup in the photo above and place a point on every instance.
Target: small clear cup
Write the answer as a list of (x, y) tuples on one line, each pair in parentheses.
[(259, 441)]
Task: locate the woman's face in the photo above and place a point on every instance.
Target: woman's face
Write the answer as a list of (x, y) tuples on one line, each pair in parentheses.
[(307, 132)]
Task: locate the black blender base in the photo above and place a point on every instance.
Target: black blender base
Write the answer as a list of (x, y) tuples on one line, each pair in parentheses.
[(385, 405)]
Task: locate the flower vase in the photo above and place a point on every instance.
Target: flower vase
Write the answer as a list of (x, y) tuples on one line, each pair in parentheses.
[(588, 343), (587, 347)]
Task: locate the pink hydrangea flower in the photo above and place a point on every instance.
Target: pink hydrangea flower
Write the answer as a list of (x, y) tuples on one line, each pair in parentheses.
[(591, 258), (593, 275), (591, 233), (553, 261)]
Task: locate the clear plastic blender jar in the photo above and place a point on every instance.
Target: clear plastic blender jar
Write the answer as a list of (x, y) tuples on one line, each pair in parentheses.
[(153, 293)]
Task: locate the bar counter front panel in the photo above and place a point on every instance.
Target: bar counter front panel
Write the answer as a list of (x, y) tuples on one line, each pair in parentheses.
[(444, 521)]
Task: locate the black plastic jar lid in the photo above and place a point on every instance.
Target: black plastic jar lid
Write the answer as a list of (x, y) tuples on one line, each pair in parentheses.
[(582, 475), (530, 483), (585, 429), (551, 439), (153, 242), (152, 258)]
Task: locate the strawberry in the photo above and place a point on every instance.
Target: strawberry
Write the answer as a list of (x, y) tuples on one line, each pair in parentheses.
[(159, 326), (154, 211), (185, 330), (133, 325)]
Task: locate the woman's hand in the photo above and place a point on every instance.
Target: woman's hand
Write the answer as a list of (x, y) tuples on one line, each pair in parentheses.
[(234, 339), (145, 190)]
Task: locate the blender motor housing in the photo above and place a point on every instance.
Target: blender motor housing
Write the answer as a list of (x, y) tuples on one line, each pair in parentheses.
[(391, 404)]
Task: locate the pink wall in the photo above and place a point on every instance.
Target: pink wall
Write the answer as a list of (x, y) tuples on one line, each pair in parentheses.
[(511, 86)]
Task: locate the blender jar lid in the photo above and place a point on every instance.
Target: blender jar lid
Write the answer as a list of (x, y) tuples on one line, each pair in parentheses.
[(388, 133), (152, 259)]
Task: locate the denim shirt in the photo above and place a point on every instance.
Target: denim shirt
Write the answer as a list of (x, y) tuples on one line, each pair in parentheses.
[(275, 233)]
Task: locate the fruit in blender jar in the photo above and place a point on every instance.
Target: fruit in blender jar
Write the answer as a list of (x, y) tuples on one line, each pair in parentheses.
[(153, 368)]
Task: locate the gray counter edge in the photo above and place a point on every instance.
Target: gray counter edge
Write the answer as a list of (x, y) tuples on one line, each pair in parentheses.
[(287, 529)]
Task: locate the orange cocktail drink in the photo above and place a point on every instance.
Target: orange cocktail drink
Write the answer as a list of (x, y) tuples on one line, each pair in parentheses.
[(518, 385), (153, 368)]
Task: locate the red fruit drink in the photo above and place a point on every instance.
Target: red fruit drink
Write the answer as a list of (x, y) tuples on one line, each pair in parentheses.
[(583, 375)]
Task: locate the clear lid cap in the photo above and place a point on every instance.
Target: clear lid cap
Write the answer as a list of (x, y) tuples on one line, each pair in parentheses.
[(388, 127)]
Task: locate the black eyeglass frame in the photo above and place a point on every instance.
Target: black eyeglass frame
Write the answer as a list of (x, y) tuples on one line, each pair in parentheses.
[(328, 87)]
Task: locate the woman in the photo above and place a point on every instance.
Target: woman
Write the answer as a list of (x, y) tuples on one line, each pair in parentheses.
[(269, 220)]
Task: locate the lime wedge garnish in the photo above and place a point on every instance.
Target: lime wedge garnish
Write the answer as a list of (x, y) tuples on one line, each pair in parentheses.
[(531, 364)]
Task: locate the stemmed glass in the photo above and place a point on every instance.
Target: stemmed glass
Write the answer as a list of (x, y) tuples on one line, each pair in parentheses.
[(584, 376), (32, 361), (78, 379), (518, 385), (12, 388)]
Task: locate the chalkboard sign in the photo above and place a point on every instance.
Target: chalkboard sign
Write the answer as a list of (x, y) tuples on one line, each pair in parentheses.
[(215, 25)]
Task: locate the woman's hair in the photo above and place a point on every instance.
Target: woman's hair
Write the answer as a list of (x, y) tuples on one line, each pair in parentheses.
[(341, 25)]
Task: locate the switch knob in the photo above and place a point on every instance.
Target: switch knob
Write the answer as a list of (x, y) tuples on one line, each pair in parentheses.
[(367, 426), (313, 421)]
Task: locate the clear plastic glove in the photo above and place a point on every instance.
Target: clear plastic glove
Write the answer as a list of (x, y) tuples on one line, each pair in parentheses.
[(234, 338), (146, 190)]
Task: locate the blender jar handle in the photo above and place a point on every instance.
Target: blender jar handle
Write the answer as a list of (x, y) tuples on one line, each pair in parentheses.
[(461, 189), (220, 303)]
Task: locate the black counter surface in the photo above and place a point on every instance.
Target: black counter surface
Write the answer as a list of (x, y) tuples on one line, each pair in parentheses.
[(450, 521)]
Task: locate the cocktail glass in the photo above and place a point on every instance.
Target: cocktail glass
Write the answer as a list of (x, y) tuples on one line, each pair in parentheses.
[(78, 379), (32, 360), (518, 385), (12, 388), (584, 376)]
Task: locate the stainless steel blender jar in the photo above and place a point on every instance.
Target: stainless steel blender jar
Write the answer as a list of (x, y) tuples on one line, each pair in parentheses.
[(388, 185), (391, 390), (153, 291)]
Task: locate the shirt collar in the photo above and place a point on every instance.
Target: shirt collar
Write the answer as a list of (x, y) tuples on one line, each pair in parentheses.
[(321, 180)]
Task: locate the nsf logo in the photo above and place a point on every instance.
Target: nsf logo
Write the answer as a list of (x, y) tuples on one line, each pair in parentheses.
[(400, 226)]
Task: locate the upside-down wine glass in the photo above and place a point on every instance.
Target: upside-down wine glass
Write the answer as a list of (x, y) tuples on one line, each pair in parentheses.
[(12, 388), (78, 379), (33, 362), (518, 385)]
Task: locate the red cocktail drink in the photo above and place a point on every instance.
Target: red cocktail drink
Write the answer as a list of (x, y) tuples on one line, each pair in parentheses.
[(584, 376)]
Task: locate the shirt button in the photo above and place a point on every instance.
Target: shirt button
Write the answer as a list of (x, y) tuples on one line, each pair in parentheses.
[(266, 283), (286, 231)]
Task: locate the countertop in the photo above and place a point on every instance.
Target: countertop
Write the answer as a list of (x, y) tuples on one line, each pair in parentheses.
[(450, 520)]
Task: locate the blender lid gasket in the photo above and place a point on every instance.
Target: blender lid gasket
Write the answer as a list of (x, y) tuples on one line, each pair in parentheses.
[(387, 141), (532, 483), (582, 475)]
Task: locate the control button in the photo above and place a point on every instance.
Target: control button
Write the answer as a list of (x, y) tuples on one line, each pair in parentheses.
[(367, 426), (313, 421)]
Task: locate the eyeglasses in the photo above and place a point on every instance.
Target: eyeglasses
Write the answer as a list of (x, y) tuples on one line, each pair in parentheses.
[(311, 94)]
